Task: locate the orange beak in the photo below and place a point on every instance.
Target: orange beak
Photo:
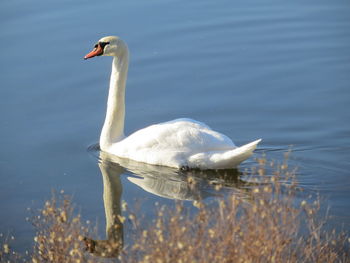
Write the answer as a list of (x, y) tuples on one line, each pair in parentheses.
[(98, 51)]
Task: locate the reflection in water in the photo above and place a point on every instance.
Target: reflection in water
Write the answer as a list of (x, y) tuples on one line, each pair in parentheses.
[(161, 181), (180, 184), (112, 191)]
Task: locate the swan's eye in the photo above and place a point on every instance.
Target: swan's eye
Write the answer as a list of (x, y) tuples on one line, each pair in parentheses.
[(103, 44)]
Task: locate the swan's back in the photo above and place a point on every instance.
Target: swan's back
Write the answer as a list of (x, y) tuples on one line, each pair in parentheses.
[(175, 144)]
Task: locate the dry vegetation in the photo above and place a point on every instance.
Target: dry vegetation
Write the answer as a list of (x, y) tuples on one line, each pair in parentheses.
[(270, 224), (59, 235)]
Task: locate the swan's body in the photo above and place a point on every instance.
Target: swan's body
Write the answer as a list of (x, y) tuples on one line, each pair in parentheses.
[(178, 143)]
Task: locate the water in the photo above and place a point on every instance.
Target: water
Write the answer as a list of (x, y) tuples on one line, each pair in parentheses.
[(273, 70)]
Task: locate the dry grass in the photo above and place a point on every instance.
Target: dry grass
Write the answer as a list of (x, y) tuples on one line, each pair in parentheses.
[(268, 225), (59, 235)]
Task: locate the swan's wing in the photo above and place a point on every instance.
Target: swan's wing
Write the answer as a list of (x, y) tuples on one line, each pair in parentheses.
[(171, 143)]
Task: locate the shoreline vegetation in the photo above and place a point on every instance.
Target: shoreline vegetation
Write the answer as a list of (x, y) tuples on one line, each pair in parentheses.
[(268, 222)]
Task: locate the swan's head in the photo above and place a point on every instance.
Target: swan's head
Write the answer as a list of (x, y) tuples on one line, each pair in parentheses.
[(108, 46)]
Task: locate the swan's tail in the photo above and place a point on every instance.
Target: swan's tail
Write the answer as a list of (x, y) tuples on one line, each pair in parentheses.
[(223, 160), (242, 153)]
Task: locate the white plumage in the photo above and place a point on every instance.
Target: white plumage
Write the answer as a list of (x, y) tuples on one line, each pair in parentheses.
[(182, 143)]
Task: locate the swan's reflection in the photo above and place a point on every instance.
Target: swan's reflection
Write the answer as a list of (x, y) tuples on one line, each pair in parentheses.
[(180, 184), (112, 191), (161, 181)]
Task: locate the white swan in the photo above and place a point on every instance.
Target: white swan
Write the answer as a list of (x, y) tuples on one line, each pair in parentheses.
[(178, 143)]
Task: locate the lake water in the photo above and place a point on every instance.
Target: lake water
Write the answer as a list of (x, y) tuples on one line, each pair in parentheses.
[(276, 70)]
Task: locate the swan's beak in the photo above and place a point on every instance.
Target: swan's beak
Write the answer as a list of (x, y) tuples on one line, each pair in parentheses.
[(98, 51)]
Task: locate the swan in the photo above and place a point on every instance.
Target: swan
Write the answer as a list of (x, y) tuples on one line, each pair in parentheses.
[(180, 143)]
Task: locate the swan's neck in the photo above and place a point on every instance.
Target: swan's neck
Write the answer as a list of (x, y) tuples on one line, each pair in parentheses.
[(113, 127)]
